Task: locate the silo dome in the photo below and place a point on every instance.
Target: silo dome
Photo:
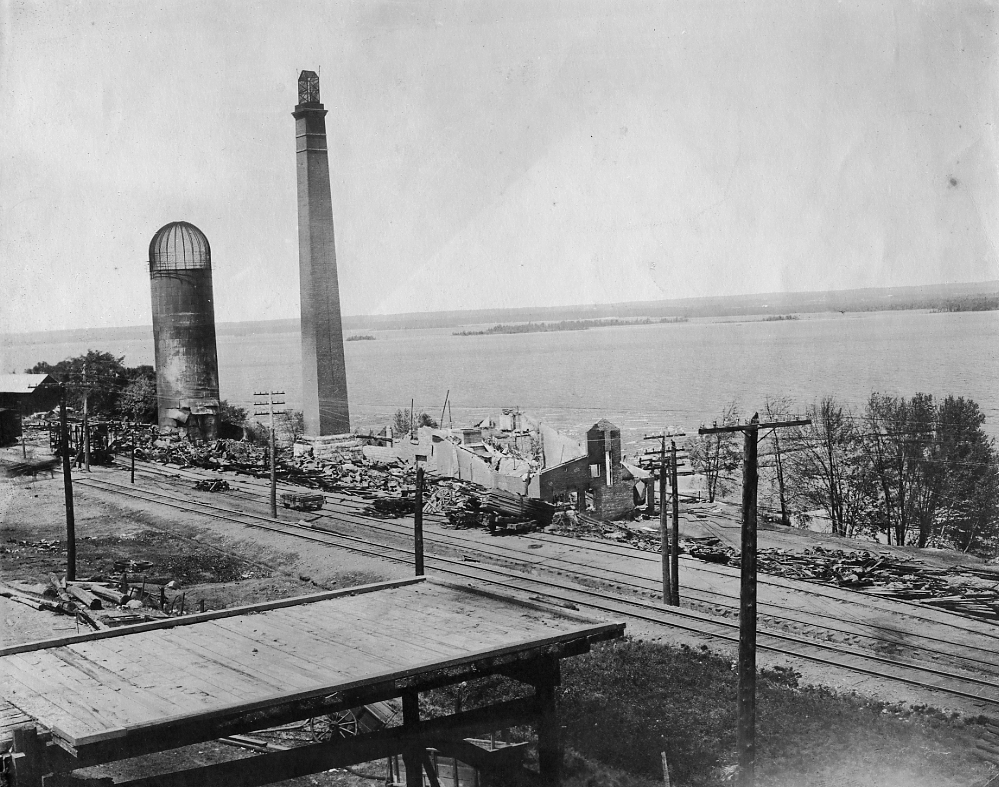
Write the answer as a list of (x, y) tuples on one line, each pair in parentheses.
[(179, 246)]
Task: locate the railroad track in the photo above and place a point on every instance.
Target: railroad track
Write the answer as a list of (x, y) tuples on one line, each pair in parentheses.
[(981, 690), (957, 650)]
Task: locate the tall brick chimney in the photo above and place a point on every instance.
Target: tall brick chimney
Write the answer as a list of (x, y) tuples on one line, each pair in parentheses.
[(324, 373)]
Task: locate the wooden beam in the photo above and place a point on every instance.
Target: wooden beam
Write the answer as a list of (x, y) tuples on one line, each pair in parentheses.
[(478, 757), (549, 745), (412, 756), (304, 760), (189, 620)]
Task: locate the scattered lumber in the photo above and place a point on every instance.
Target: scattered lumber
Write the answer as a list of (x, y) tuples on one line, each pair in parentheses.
[(85, 597)]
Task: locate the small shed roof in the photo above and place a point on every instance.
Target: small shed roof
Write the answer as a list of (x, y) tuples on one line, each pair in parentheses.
[(22, 383)]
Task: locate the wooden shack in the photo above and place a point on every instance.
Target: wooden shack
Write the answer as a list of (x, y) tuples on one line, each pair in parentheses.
[(100, 697)]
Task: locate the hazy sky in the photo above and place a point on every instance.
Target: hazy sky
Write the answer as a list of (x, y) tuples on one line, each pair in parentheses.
[(502, 153)]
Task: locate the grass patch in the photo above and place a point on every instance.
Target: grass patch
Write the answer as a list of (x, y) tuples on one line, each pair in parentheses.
[(625, 702)]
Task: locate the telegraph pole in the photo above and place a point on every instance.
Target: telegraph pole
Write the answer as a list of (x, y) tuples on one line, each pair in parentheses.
[(664, 545), (86, 421), (669, 545), (67, 481), (418, 523), (747, 592), (135, 423), (270, 414), (675, 540)]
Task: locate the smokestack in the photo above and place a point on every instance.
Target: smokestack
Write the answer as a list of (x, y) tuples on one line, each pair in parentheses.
[(324, 373), (187, 365)]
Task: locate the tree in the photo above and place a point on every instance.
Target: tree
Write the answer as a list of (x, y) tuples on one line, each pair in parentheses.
[(232, 421), (402, 419), (94, 379), (898, 441), (290, 425), (826, 468), (717, 456), (964, 466), (138, 399)]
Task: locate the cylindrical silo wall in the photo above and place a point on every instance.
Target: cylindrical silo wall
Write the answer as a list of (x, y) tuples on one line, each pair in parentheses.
[(187, 367)]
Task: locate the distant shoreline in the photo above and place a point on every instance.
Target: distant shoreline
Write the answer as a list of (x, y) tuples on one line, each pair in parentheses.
[(976, 296)]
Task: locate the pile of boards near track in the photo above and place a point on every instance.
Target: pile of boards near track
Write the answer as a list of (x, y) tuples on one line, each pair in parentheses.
[(99, 604), (967, 590)]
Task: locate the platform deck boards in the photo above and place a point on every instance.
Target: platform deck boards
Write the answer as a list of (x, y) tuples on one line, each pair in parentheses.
[(93, 689)]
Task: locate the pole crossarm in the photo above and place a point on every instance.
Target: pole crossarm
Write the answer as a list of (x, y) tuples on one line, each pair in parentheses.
[(745, 427)]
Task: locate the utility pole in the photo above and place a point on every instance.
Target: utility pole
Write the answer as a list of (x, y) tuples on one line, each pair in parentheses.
[(20, 416), (747, 592), (418, 523), (135, 423), (86, 422), (675, 540), (669, 545), (664, 545), (270, 414), (67, 481)]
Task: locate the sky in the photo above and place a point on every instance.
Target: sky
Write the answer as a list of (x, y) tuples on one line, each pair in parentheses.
[(489, 154)]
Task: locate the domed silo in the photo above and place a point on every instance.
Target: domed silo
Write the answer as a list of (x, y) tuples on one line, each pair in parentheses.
[(187, 366)]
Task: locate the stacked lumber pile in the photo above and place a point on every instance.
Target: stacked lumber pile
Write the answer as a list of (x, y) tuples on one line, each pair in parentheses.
[(509, 504)]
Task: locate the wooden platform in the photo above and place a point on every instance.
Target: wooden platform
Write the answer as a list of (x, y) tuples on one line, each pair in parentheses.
[(119, 693)]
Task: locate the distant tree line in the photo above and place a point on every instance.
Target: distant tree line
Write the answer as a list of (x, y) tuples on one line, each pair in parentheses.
[(971, 303), (915, 470)]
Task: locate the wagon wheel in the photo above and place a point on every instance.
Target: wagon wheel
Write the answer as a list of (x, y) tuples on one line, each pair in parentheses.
[(342, 724)]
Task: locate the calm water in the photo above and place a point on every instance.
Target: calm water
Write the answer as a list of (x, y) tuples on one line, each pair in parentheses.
[(640, 377)]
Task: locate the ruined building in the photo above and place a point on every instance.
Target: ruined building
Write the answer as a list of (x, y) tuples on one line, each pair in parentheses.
[(187, 366), (324, 374)]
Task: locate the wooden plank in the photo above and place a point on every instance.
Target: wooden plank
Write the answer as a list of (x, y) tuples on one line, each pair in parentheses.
[(525, 647), (189, 620), (312, 652), (113, 681), (146, 671), (244, 671), (38, 699), (62, 678)]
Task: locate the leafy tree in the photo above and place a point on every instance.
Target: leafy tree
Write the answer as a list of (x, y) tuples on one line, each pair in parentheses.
[(232, 421), (94, 379), (137, 400), (717, 456), (401, 421)]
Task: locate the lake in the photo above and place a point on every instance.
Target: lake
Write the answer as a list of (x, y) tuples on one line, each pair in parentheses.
[(640, 377)]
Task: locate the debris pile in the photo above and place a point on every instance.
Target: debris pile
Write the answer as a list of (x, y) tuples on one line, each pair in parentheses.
[(212, 485), (962, 589), (98, 603)]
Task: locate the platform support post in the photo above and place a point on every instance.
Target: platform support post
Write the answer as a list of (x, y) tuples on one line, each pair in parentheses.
[(412, 758), (29, 758), (549, 744)]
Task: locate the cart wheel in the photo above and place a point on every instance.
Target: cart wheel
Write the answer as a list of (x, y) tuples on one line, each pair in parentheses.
[(342, 724)]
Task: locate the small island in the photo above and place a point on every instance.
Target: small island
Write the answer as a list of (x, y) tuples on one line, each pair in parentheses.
[(357, 337), (781, 318), (566, 325)]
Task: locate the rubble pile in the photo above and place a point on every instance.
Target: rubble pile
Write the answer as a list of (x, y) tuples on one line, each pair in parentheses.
[(212, 485), (99, 603), (963, 589)]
